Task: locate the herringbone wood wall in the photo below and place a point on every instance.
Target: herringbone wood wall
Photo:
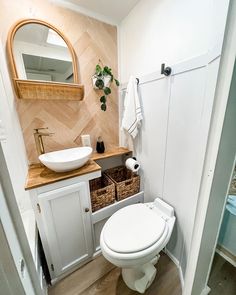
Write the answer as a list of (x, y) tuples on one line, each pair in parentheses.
[(92, 40)]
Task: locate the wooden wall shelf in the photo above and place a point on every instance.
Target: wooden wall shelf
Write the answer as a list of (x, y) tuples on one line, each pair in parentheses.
[(119, 151), (30, 89)]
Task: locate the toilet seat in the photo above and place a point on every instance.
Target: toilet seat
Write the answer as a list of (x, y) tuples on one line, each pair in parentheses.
[(133, 237), (133, 229), (136, 257)]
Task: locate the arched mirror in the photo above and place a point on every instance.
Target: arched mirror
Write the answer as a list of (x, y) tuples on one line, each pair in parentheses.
[(43, 62)]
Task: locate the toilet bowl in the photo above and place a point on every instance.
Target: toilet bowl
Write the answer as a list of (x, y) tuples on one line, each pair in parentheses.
[(133, 237)]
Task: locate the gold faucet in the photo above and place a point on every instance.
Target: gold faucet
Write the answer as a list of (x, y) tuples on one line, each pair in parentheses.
[(38, 137)]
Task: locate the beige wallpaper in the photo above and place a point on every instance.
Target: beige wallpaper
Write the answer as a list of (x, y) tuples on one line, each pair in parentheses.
[(92, 40)]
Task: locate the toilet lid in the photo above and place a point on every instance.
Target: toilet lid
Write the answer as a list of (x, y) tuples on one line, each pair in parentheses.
[(132, 229)]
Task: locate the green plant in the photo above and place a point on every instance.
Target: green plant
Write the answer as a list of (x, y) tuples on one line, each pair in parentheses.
[(100, 74)]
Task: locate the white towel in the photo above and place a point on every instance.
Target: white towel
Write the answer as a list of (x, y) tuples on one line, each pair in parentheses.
[(132, 113)]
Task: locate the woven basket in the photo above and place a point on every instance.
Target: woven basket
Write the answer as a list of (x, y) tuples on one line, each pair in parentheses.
[(127, 183), (102, 191)]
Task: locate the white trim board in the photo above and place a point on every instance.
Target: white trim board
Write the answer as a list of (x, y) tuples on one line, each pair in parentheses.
[(210, 205), (14, 245), (177, 263), (227, 258), (85, 11), (181, 67), (206, 291)]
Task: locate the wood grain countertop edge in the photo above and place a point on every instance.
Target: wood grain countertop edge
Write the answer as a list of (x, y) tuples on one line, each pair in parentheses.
[(50, 177)]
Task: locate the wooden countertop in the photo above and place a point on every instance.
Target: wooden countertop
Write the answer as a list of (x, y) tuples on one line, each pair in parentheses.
[(119, 151), (40, 175)]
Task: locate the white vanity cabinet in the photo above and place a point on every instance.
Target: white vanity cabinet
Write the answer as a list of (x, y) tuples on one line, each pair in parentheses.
[(63, 214), (69, 230)]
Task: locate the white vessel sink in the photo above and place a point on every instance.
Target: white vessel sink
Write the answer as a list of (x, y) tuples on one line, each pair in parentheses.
[(66, 160)]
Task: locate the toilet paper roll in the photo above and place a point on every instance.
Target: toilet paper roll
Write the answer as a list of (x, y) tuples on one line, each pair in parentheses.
[(132, 164)]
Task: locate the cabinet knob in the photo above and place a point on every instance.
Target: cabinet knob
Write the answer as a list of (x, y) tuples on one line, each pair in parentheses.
[(86, 210)]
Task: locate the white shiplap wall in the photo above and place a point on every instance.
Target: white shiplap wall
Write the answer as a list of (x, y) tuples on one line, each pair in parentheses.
[(173, 138)]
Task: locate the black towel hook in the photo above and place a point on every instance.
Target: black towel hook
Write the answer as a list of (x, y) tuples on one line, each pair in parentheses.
[(137, 80), (165, 70)]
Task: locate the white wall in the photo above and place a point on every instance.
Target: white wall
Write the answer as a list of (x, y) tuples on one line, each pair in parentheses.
[(11, 137), (172, 156), (192, 96), (172, 141), (168, 31)]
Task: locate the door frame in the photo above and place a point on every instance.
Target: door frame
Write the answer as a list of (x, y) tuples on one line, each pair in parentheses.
[(15, 233), (9, 278), (218, 166)]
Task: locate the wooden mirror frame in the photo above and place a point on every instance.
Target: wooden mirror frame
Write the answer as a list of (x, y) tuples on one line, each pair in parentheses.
[(37, 89)]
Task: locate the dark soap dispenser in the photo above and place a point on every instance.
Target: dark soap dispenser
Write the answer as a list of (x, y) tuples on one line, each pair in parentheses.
[(100, 147)]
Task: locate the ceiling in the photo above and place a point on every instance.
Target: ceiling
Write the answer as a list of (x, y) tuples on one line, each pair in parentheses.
[(44, 64), (32, 33), (110, 11), (37, 34)]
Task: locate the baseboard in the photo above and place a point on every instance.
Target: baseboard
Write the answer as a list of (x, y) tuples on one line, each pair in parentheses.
[(205, 291), (176, 262), (226, 255), (97, 253)]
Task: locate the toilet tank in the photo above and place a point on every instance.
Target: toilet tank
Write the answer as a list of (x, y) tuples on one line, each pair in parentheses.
[(164, 207)]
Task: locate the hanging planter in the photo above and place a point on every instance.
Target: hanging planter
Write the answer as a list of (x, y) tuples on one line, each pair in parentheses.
[(102, 80)]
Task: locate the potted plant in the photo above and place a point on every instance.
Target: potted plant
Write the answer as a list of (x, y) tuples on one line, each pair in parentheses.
[(102, 79)]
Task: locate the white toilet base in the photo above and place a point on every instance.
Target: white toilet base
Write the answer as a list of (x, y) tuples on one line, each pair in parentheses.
[(140, 277)]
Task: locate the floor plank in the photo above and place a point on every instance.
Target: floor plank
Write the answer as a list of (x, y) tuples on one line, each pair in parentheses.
[(81, 279), (222, 279), (166, 282)]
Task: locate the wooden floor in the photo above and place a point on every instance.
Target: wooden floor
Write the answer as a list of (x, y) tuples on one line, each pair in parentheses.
[(166, 282), (222, 279)]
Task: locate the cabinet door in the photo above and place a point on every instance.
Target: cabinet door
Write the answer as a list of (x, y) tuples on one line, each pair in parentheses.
[(66, 237)]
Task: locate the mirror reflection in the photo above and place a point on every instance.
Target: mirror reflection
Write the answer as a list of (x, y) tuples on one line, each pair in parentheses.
[(41, 54)]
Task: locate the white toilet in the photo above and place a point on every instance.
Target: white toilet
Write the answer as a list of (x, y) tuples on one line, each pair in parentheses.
[(133, 237)]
